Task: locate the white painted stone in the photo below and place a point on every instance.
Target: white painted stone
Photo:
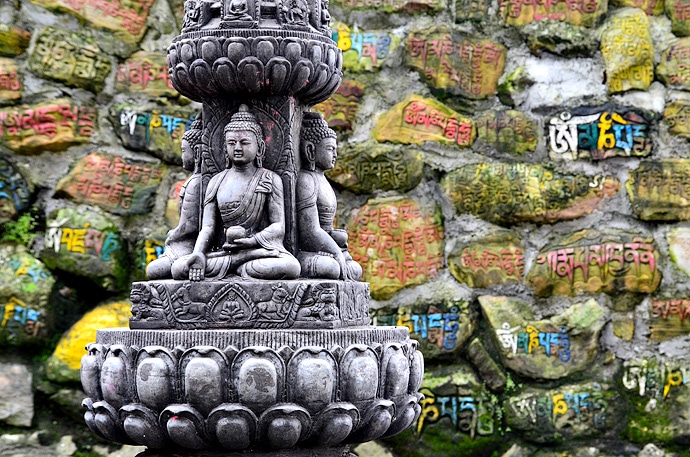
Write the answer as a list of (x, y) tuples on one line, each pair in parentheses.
[(66, 447), (371, 449), (652, 100)]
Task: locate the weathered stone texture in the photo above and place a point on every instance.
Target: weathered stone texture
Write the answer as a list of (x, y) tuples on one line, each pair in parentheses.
[(669, 318), (679, 13), (673, 69), (16, 395), (650, 7), (581, 12), (491, 261), (365, 168), (145, 72), (508, 131), (121, 186), (513, 193), (593, 261), (340, 110), (364, 51), (677, 117), (551, 348), (397, 242), (15, 191), (10, 81), (13, 40), (388, 6), (658, 190), (456, 63), (628, 51)]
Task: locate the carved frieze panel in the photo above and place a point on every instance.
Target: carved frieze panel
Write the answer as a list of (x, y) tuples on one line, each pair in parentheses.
[(121, 186), (340, 110), (660, 190), (512, 193), (397, 242), (417, 119), (145, 72), (363, 169), (628, 51), (54, 125), (592, 261), (456, 63), (71, 58), (597, 133), (249, 305)]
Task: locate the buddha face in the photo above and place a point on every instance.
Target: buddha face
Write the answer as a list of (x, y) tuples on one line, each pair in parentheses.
[(325, 153), (187, 156), (241, 147)]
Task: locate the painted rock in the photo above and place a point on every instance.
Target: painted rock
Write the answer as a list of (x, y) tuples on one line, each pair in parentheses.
[(581, 12), (507, 130), (658, 190), (677, 117), (364, 51), (16, 191), (551, 348), (13, 40), (340, 110), (679, 13), (145, 72), (650, 7), (390, 6), (673, 69), (10, 81)]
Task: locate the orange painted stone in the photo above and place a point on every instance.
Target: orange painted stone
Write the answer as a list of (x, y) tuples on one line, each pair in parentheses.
[(63, 365), (577, 12), (126, 18), (145, 72), (121, 186), (54, 125), (660, 190), (673, 68), (677, 117), (340, 109), (507, 194), (628, 51), (70, 58), (679, 13), (10, 80), (417, 120), (593, 261), (397, 242), (13, 40), (456, 63)]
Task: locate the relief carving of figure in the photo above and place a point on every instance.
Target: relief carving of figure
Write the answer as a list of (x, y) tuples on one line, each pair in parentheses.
[(325, 18), (237, 10), (180, 240), (322, 305), (323, 249), (245, 205), (295, 12)]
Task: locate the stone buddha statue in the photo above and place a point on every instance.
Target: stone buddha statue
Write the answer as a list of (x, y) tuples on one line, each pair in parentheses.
[(244, 207), (323, 249), (180, 240)]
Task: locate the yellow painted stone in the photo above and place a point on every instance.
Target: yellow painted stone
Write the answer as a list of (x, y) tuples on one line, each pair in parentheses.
[(65, 362), (417, 119), (650, 7), (623, 327), (628, 51), (677, 116), (673, 69), (10, 80), (660, 190)]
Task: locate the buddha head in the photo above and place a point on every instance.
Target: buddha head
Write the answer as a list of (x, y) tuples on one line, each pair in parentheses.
[(244, 140), (317, 143), (191, 146)]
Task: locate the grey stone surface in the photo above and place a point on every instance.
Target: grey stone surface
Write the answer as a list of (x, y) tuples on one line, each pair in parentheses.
[(16, 395)]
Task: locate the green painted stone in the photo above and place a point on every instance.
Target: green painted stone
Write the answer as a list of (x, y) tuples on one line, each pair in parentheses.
[(659, 395), (15, 191), (679, 13), (506, 194), (562, 414), (456, 63), (341, 108), (650, 7), (125, 18), (660, 190), (508, 130), (71, 58), (392, 6), (560, 38), (579, 12), (471, 10), (593, 261), (416, 120), (458, 416), (145, 72), (677, 117), (365, 168), (628, 51), (25, 287), (13, 40), (47, 126), (364, 51), (397, 242), (673, 69), (63, 365), (121, 186), (10, 81), (154, 129), (600, 132), (552, 348), (84, 242), (494, 260), (441, 329)]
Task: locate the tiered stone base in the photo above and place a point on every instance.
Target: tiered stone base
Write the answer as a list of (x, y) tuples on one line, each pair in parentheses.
[(340, 451), (225, 392)]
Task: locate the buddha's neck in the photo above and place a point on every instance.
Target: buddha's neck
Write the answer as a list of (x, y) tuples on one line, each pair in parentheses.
[(245, 168)]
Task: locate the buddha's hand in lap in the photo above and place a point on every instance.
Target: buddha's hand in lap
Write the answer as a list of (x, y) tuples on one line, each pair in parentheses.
[(197, 266)]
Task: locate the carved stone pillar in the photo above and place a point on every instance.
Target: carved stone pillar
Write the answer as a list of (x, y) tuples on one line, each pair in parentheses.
[(230, 363)]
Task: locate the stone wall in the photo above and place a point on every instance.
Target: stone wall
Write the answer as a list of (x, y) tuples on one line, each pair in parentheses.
[(514, 177)]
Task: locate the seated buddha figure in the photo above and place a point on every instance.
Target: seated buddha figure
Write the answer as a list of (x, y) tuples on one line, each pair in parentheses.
[(243, 206), (323, 249)]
